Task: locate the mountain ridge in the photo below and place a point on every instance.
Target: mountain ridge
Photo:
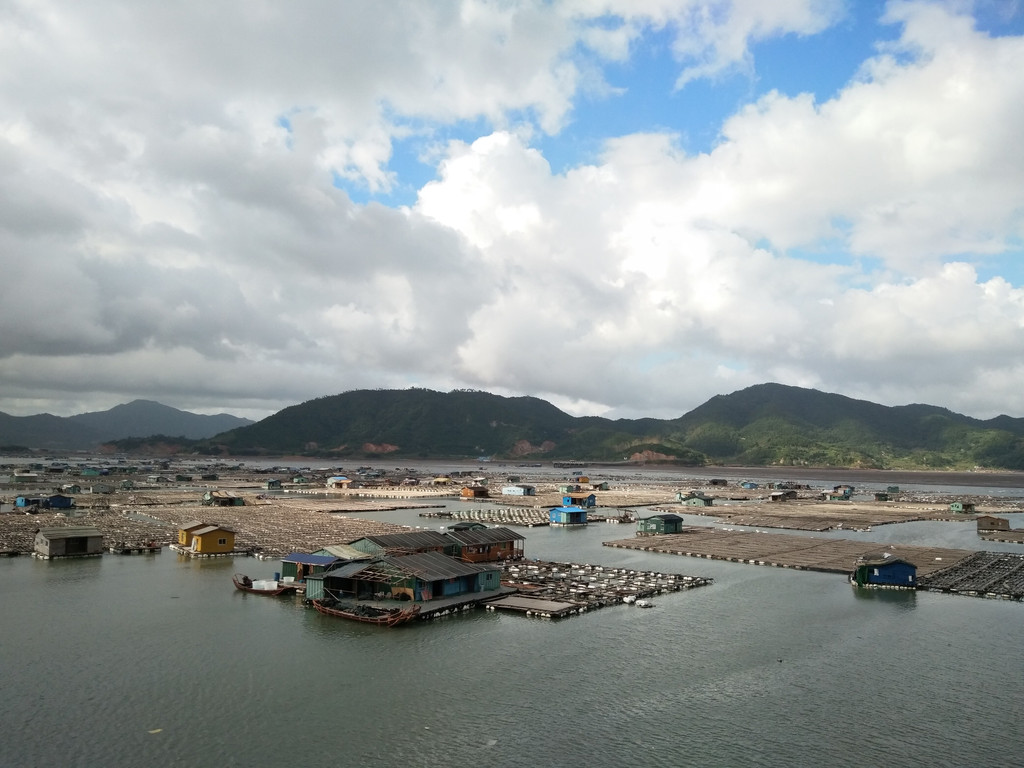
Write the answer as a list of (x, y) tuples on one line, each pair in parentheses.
[(135, 419), (762, 425)]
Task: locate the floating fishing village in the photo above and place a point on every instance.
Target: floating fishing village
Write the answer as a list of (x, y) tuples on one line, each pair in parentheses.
[(302, 534)]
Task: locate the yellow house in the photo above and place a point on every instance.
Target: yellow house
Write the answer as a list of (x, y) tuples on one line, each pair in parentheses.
[(186, 532), (213, 540)]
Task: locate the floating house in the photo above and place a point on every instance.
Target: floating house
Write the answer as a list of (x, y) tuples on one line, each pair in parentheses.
[(31, 501), (885, 571), (881, 496), (657, 525), (421, 577), (299, 565), (965, 507), (481, 545), (71, 488), (186, 530), (60, 501), (212, 540), (835, 495), (748, 484), (601, 486), (778, 496), (338, 481), (567, 515), (101, 488), (696, 500), (518, 490), (992, 523), (404, 543), (474, 492), (579, 500), (222, 499), (467, 525), (72, 541), (272, 485)]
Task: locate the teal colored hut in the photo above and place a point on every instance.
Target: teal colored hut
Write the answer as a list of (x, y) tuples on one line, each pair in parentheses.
[(566, 516), (657, 525), (420, 577)]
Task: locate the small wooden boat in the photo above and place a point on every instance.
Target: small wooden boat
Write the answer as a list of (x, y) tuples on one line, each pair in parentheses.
[(246, 584), (368, 614)]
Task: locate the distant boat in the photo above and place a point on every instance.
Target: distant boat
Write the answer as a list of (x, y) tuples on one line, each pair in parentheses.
[(368, 614), (246, 584)]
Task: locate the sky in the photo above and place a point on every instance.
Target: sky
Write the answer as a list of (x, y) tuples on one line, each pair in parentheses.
[(624, 207)]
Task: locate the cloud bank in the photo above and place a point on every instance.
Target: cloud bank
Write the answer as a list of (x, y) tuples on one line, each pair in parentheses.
[(198, 207)]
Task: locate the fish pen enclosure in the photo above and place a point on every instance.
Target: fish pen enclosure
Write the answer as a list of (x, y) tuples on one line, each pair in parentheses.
[(990, 574)]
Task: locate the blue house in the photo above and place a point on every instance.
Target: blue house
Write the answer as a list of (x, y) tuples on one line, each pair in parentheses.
[(885, 571), (579, 500), (60, 501), (567, 516)]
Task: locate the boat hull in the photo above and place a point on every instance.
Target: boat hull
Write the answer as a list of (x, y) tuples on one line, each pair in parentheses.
[(244, 583), (384, 617)]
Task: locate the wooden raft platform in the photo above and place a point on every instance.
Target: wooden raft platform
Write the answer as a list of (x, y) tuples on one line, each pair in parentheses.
[(788, 551), (535, 606)]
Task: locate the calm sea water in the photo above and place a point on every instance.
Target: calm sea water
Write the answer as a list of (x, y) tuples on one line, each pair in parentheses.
[(158, 661)]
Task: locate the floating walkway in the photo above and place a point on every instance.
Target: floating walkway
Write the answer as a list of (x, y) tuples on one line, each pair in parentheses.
[(979, 574), (536, 606), (788, 551), (521, 516), (143, 549)]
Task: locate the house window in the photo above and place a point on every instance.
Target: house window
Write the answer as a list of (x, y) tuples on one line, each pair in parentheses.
[(222, 542)]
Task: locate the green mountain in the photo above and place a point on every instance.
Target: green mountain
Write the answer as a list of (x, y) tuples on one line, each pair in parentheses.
[(776, 424), (85, 431), (421, 422), (768, 424)]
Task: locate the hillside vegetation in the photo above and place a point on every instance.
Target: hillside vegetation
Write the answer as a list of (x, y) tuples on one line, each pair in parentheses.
[(768, 424)]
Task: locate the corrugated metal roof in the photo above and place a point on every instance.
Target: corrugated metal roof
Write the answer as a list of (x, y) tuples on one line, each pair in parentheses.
[(433, 566), (346, 571), (192, 524), (346, 552), (69, 532), (304, 559), (667, 517), (485, 536), (412, 540)]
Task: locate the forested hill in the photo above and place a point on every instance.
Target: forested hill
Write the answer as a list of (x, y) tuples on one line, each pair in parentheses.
[(761, 425)]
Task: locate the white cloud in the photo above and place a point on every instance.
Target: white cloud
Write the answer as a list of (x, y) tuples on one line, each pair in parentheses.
[(171, 227)]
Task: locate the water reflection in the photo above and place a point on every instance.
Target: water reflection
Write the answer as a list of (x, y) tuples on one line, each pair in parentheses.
[(902, 599)]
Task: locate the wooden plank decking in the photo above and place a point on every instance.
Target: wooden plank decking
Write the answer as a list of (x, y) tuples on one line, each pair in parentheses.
[(788, 551)]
